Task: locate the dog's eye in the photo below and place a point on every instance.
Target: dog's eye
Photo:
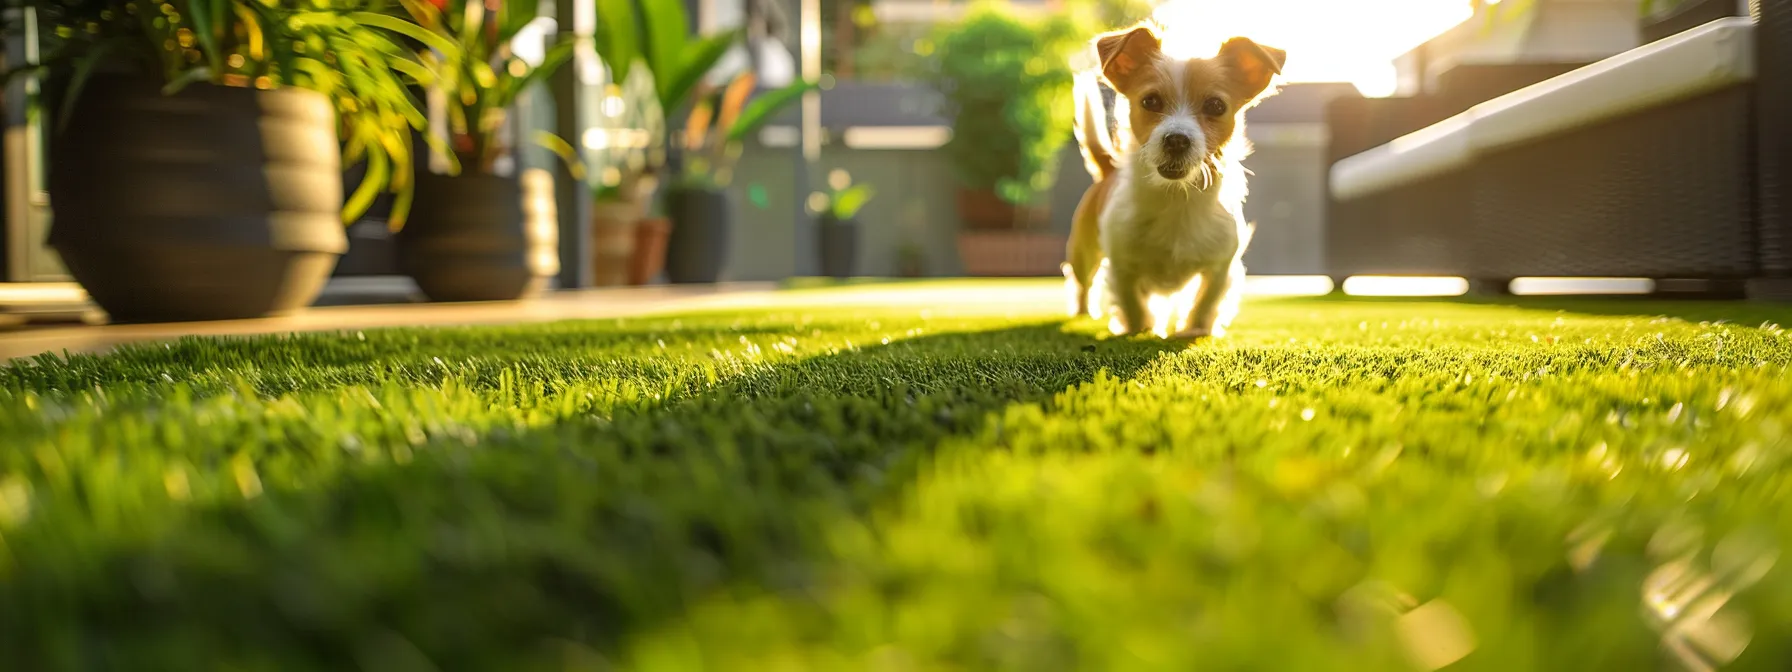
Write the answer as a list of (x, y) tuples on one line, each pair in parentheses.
[(1213, 107), (1152, 102)]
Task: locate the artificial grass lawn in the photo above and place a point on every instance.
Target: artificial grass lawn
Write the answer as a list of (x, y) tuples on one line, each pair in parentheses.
[(1341, 485)]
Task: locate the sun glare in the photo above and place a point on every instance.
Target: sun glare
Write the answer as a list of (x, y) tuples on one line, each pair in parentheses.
[(1326, 40)]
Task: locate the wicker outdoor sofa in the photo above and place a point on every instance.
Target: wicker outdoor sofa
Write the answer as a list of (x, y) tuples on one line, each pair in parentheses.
[(1668, 162)]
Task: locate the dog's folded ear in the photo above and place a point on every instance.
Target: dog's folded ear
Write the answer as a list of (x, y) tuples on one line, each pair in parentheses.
[(1123, 53), (1254, 63)]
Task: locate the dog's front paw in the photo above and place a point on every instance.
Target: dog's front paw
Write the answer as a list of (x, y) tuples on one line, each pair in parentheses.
[(1193, 334)]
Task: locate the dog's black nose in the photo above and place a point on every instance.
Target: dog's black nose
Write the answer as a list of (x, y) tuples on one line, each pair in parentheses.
[(1177, 142)]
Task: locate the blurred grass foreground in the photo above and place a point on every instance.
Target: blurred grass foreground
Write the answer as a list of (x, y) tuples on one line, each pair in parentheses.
[(1344, 485)]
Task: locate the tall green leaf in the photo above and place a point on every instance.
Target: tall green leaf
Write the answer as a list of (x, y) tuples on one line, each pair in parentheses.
[(676, 84), (556, 57), (411, 30), (761, 110), (667, 35), (209, 18), (514, 16), (618, 41)]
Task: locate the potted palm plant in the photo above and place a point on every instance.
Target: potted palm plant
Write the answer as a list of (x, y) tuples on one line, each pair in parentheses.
[(708, 146), (837, 213), (1007, 85), (625, 152), (697, 159), (195, 167), (478, 234)]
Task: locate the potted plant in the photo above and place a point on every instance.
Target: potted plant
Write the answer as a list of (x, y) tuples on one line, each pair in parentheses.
[(1007, 85), (651, 236), (625, 152), (709, 144), (911, 260), (195, 167), (837, 224), (699, 155), (478, 234)]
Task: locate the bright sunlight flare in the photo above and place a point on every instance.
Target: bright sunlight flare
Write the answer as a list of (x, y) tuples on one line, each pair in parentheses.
[(1326, 40)]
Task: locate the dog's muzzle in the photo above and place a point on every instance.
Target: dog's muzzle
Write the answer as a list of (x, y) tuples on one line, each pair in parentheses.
[(1177, 165)]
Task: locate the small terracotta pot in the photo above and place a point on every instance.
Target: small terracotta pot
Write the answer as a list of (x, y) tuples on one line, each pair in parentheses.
[(983, 210), (613, 240), (650, 250), (1010, 254)]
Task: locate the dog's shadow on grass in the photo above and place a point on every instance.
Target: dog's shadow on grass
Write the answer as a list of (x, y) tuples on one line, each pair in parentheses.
[(508, 550)]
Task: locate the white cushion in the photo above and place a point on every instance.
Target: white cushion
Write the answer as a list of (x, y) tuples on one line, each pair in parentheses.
[(1711, 57), (1430, 151)]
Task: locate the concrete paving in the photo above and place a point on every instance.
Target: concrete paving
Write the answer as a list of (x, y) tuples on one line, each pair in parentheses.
[(1041, 297), (28, 341)]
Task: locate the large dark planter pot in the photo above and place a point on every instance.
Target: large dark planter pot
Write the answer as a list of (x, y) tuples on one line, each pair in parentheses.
[(839, 246), (697, 249), (216, 203), (1685, 16), (476, 237)]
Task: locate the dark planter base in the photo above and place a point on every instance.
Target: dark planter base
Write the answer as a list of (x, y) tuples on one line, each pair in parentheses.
[(216, 203), (193, 282), (1777, 290), (838, 241), (697, 248), (481, 237)]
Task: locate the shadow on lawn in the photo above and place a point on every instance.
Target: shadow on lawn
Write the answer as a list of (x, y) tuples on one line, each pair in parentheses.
[(1745, 313), (525, 547)]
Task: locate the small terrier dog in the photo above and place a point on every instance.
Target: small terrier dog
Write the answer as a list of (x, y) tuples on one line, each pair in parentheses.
[(1164, 222)]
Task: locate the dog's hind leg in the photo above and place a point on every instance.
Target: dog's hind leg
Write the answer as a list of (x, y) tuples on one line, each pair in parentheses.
[(1083, 252)]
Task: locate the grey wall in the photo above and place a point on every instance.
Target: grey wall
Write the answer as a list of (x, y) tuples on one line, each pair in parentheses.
[(1287, 202), (916, 203)]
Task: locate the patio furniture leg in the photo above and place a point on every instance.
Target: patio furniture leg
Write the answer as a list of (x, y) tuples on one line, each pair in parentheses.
[(1773, 117), (1490, 286)]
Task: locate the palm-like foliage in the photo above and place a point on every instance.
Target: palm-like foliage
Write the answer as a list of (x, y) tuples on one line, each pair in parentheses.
[(723, 118), (465, 51), (309, 44), (658, 34)]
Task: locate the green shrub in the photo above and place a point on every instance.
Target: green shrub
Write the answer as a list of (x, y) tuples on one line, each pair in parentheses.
[(1007, 85)]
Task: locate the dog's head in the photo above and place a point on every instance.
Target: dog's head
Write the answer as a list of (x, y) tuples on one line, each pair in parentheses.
[(1183, 112)]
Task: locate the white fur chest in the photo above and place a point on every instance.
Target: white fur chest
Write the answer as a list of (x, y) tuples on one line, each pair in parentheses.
[(1162, 237)]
